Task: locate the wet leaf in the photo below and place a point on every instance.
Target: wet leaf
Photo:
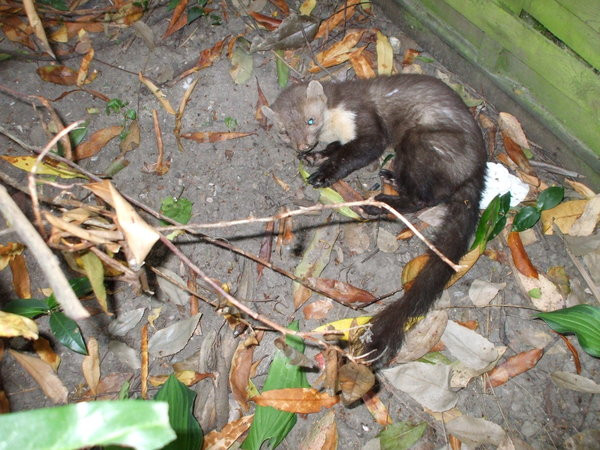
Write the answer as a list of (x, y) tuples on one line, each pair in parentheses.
[(215, 136), (296, 400), (78, 426), (519, 255), (401, 435), (44, 376), (90, 365), (67, 332), (581, 320), (513, 366), (12, 325), (354, 380), (181, 415), (173, 338)]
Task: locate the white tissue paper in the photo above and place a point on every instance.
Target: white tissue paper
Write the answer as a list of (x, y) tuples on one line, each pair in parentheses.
[(499, 181)]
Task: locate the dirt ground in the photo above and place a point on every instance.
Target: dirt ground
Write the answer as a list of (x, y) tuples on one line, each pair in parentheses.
[(239, 178)]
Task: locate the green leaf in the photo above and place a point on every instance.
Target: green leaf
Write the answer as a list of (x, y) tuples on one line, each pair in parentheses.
[(194, 13), (551, 197), (401, 435), (535, 293), (178, 209), (581, 320), (283, 71), (330, 196), (67, 332), (269, 423), (78, 134), (435, 358), (56, 4), (230, 123), (492, 220), (131, 423), (5, 56), (124, 391), (81, 286), (27, 307), (131, 114), (526, 218), (181, 414), (114, 105)]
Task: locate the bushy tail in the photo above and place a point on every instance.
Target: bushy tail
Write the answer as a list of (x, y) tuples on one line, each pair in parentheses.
[(452, 239)]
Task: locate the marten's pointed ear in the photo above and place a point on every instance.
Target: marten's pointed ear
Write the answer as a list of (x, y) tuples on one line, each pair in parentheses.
[(315, 91), (269, 113)]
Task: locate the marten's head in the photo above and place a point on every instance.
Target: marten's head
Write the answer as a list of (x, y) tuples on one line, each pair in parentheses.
[(298, 115)]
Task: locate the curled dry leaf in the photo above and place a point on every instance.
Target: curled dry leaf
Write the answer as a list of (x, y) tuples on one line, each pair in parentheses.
[(296, 400), (563, 216), (12, 325), (268, 22), (8, 251), (354, 381), (343, 292), (510, 126), (157, 93), (519, 255), (82, 74), (377, 409), (513, 366), (339, 52), (178, 18), (20, 276), (385, 55), (44, 376), (217, 440), (63, 75), (239, 374), (409, 56), (96, 142), (90, 365), (342, 15), (515, 153), (362, 65), (215, 136), (322, 435)]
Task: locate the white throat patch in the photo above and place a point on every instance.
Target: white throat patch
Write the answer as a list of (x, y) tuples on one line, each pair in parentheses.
[(338, 125)]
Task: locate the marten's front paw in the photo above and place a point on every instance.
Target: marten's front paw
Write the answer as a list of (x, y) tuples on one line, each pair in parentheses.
[(321, 178), (313, 158)]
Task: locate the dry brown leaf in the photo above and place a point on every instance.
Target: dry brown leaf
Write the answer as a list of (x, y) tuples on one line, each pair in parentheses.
[(4, 403), (266, 248), (82, 74), (268, 22), (519, 255), (239, 373), (96, 142), (12, 325), (8, 251), (377, 409), (176, 23), (282, 6), (296, 400), (187, 377), (385, 55), (17, 31), (338, 52), (108, 388), (20, 276), (63, 75), (44, 376), (90, 366), (513, 366), (132, 139), (43, 349), (157, 93), (260, 102), (343, 292), (467, 261), (355, 380), (322, 435), (215, 136), (317, 309), (362, 65), (510, 126), (564, 216), (422, 337), (515, 153), (586, 223), (343, 14), (581, 188), (218, 440), (409, 56)]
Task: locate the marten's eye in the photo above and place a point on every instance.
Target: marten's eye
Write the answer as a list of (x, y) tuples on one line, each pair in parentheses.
[(310, 121)]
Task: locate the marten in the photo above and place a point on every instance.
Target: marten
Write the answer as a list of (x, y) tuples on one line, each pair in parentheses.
[(440, 159)]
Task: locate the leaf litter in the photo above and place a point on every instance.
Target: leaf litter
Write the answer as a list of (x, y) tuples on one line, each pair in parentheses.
[(134, 237)]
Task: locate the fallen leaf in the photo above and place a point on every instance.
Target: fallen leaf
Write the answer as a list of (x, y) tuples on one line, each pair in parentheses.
[(176, 23), (581, 188), (362, 65), (343, 292), (43, 349), (409, 56), (173, 338), (483, 292), (242, 62), (343, 327), (266, 248), (132, 138), (20, 276), (239, 373), (268, 22), (469, 347), (82, 75), (38, 26), (62, 75), (510, 126), (377, 409), (474, 431), (215, 136), (296, 400), (47, 168), (354, 380), (9, 251), (385, 55), (343, 14), (586, 223), (90, 365), (338, 52), (218, 440), (549, 298), (564, 216), (574, 382), (515, 153), (317, 309), (513, 366), (12, 325), (307, 6), (44, 376), (519, 255), (94, 270), (420, 338), (157, 93), (125, 354), (96, 142), (282, 6), (322, 435)]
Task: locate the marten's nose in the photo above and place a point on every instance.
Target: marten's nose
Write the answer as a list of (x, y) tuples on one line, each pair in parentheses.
[(303, 146)]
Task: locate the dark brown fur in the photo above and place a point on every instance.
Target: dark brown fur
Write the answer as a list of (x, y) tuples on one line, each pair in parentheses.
[(440, 158)]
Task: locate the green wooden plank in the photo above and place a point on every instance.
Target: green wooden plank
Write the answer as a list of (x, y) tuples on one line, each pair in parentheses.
[(569, 28), (587, 10), (567, 74)]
